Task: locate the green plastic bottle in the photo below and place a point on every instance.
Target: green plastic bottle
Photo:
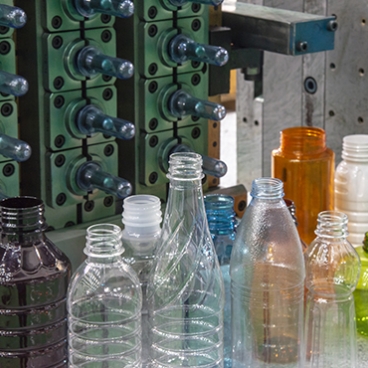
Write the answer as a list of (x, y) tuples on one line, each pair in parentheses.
[(361, 291)]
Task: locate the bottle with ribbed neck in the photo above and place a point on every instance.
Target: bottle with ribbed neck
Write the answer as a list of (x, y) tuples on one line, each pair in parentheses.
[(34, 276), (186, 292), (332, 272), (141, 219), (104, 305), (306, 167), (351, 180), (221, 221), (267, 283)]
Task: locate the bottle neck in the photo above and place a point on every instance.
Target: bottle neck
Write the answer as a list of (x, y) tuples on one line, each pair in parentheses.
[(332, 225), (303, 140), (355, 148), (365, 242), (22, 220), (220, 214), (270, 189), (104, 243)]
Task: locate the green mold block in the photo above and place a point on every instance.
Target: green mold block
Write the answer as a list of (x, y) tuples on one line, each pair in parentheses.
[(6, 31), (156, 10), (61, 15), (153, 152), (9, 179), (60, 53), (62, 111), (98, 209)]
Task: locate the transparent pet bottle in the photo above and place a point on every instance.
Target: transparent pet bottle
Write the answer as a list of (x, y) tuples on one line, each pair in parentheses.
[(104, 305), (186, 292), (267, 283), (34, 276), (332, 272), (222, 223), (141, 219)]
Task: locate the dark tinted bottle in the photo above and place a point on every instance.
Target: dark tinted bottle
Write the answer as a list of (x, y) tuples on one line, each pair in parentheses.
[(34, 276)]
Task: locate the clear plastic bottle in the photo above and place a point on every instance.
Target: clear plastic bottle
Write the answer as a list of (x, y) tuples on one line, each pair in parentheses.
[(267, 283), (104, 305), (306, 167), (34, 276), (141, 219), (332, 272), (186, 292), (222, 222), (351, 182)]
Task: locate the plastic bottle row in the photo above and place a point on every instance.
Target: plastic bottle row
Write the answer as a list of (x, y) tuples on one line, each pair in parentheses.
[(173, 298)]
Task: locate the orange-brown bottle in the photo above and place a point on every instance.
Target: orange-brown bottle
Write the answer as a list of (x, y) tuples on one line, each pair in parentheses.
[(306, 167)]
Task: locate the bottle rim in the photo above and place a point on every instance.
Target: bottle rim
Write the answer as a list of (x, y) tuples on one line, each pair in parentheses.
[(303, 139), (267, 188), (185, 166), (142, 210), (332, 224), (355, 146), (103, 240), (218, 201)]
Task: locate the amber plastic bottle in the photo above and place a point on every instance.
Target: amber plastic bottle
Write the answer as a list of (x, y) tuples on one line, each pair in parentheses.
[(306, 167)]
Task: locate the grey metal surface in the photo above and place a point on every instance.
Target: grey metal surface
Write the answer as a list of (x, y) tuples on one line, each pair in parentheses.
[(278, 30), (340, 104)]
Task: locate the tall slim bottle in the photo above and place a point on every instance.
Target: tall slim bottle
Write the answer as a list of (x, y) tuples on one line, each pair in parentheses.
[(267, 283), (186, 292), (306, 167), (332, 268), (222, 222), (141, 219), (34, 276)]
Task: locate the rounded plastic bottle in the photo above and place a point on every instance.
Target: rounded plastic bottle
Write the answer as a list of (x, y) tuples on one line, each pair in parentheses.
[(351, 183), (267, 283), (186, 292), (222, 222), (104, 305), (332, 272), (306, 167), (34, 276), (141, 219)]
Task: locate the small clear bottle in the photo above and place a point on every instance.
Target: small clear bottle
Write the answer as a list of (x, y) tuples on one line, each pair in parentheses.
[(186, 292), (104, 305), (332, 268), (306, 167), (222, 224), (361, 291), (267, 283), (351, 182), (141, 219), (34, 277)]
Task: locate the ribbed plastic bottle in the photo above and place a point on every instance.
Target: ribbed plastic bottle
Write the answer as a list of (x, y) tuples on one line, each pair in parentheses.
[(186, 292), (34, 276), (306, 167), (141, 219), (104, 305), (267, 283), (332, 272), (351, 183), (361, 291), (222, 222)]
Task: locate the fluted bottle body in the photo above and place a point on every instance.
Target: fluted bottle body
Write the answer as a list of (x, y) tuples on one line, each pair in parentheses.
[(267, 283), (332, 268), (186, 293), (104, 305), (34, 276)]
